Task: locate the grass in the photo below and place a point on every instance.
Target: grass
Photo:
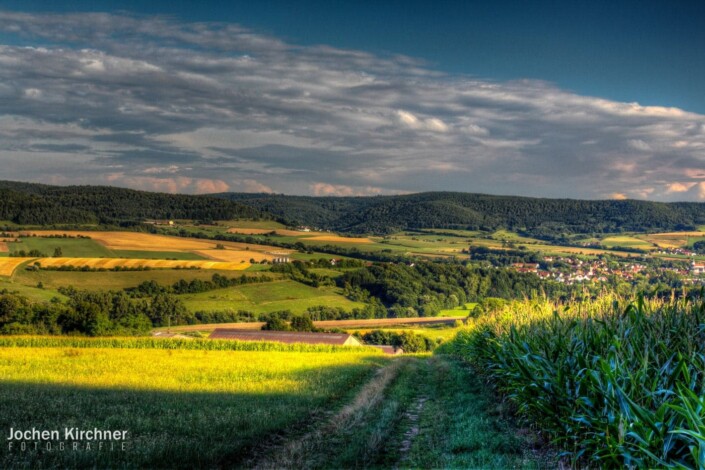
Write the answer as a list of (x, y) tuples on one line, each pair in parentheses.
[(30, 291), (114, 280), (71, 247), (627, 242), (110, 263), (615, 384), (442, 332), (419, 412), (460, 312), (269, 297), (179, 255), (181, 408)]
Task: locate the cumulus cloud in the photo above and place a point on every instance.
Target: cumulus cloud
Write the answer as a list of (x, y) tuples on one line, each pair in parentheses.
[(156, 103)]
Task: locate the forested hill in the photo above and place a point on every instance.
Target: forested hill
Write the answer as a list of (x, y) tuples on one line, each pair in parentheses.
[(38, 204), (547, 218), (28, 203)]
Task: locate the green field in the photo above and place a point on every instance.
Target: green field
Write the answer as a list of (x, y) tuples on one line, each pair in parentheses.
[(627, 242), (463, 311), (30, 291), (181, 408), (70, 247), (268, 297), (115, 280)]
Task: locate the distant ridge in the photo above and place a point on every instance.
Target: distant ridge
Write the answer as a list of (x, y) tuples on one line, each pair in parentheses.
[(540, 217), (39, 204)]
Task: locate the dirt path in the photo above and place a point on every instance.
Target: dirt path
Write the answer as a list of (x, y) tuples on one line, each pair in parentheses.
[(417, 412)]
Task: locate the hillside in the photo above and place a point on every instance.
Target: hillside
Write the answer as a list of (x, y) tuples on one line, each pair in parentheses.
[(38, 204), (545, 218)]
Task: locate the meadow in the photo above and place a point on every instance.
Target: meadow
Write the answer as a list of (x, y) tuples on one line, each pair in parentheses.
[(132, 263), (182, 408), (215, 404), (614, 382), (269, 297)]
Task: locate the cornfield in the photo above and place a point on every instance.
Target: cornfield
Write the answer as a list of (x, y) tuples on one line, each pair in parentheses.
[(613, 382)]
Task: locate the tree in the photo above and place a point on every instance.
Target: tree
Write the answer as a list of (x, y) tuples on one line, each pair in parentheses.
[(58, 253), (302, 323), (275, 323)]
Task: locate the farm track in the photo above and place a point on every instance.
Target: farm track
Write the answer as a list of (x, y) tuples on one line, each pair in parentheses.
[(417, 412), (307, 451)]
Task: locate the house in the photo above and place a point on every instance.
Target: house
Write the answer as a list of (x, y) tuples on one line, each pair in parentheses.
[(281, 259), (289, 337), (697, 268)]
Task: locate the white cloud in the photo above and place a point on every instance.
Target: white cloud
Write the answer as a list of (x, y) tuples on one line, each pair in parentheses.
[(170, 105)]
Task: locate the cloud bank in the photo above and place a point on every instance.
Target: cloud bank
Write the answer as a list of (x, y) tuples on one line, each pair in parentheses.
[(159, 104)]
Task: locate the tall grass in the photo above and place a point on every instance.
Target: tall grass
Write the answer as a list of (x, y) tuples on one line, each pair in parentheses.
[(613, 382), (173, 343)]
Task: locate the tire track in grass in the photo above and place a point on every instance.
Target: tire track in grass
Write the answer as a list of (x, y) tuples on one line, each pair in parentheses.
[(305, 451)]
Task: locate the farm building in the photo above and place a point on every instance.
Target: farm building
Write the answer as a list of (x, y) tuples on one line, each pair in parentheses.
[(338, 339)]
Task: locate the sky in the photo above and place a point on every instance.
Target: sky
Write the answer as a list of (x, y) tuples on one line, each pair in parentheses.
[(551, 99)]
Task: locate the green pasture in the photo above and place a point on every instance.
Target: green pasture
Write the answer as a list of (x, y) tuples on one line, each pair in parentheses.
[(269, 297), (70, 247), (115, 280)]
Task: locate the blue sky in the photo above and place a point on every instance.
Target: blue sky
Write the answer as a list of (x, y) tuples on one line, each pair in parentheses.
[(650, 52), (558, 99)]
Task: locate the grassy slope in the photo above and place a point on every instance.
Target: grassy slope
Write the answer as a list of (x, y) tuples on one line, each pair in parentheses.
[(182, 408), (269, 297), (70, 247), (114, 280)]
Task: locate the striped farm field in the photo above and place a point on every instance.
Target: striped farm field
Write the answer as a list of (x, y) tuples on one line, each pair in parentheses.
[(110, 263), (305, 236), (150, 242), (234, 256), (8, 265), (339, 239)]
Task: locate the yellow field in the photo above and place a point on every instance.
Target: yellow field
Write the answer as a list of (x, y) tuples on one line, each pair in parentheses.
[(109, 263), (234, 256), (672, 239), (8, 265), (313, 236)]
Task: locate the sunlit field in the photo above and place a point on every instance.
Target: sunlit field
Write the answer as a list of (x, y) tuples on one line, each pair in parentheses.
[(181, 407)]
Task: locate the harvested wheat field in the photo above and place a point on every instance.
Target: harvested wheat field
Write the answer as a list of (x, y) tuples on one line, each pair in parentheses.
[(110, 263), (234, 256), (8, 265)]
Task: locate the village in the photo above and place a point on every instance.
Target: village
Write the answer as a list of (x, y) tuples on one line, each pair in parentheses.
[(571, 270)]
